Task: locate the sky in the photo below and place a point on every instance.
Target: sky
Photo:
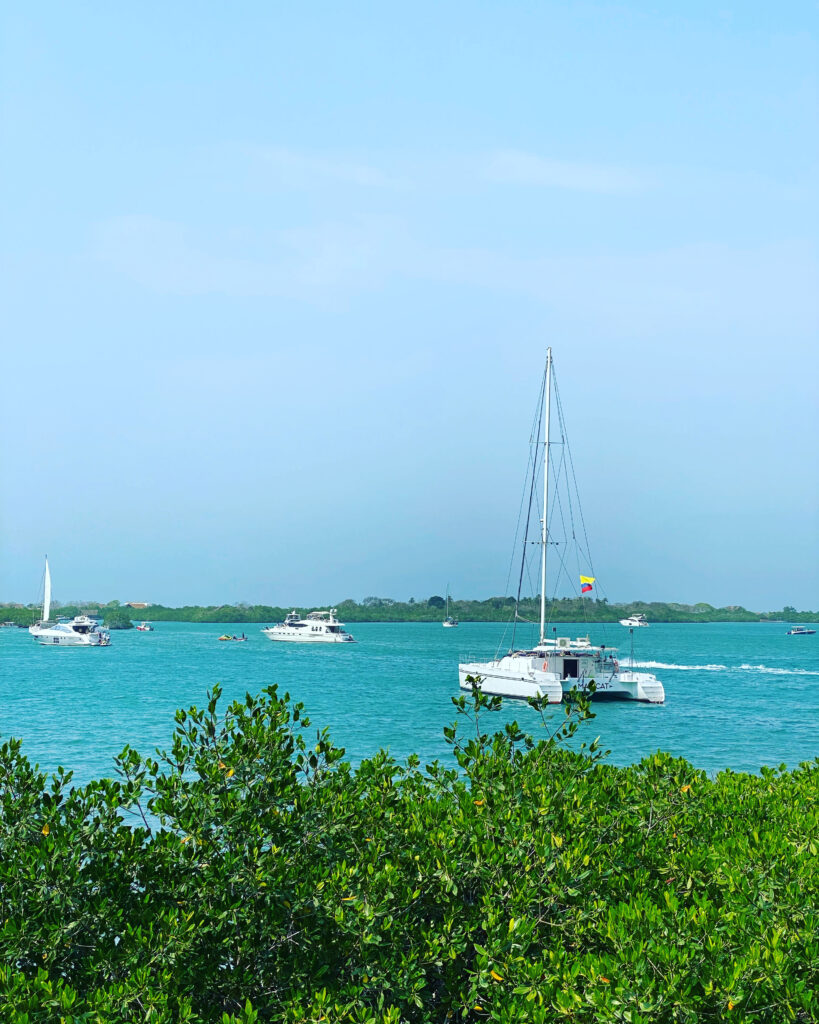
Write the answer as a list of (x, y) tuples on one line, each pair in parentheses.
[(277, 283)]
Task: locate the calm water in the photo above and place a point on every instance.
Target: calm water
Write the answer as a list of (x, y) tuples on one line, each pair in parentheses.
[(737, 695)]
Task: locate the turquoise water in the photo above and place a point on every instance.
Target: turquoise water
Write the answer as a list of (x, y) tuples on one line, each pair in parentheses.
[(738, 695)]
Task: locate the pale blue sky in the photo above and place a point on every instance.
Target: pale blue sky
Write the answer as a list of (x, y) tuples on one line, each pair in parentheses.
[(278, 281)]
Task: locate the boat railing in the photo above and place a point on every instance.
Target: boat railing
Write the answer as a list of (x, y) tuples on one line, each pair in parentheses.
[(471, 658)]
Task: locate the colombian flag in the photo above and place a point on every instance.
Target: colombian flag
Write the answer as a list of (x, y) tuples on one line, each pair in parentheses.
[(586, 584)]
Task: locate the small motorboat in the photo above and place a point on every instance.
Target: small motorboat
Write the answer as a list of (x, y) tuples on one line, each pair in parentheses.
[(236, 639), (145, 627), (633, 621), (800, 631)]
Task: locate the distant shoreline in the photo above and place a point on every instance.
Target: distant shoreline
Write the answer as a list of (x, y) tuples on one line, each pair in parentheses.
[(373, 609)]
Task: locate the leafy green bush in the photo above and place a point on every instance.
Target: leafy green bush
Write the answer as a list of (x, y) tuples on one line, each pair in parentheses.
[(118, 618), (249, 873)]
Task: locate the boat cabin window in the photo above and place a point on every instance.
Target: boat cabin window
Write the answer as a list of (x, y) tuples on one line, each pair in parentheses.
[(570, 668)]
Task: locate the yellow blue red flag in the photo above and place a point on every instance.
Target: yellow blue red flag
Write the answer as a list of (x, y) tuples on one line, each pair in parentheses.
[(586, 584)]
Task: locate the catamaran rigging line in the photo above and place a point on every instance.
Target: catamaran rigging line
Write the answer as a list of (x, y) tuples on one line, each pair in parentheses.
[(556, 476)]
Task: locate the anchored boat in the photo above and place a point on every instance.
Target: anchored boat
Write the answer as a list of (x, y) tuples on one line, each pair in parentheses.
[(316, 628), (634, 621), (81, 631), (449, 622), (556, 665)]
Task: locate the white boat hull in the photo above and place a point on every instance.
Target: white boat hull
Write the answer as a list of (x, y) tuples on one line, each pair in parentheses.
[(513, 682), (638, 686), (58, 638), (298, 636), (516, 679)]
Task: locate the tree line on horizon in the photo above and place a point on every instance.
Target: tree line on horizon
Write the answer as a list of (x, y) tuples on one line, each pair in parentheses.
[(385, 609)]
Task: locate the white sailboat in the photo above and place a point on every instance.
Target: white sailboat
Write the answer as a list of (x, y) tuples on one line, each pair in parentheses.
[(449, 622), (81, 631), (557, 665)]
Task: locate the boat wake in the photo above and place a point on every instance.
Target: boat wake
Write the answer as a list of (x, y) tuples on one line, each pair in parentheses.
[(779, 671), (761, 669)]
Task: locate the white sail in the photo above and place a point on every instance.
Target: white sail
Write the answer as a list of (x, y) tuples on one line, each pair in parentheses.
[(47, 593)]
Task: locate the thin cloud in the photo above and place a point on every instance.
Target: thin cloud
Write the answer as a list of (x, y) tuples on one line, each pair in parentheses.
[(310, 263), (516, 167), (297, 169), (732, 288)]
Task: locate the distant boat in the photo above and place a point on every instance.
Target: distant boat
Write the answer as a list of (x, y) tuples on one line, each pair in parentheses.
[(800, 631), (145, 627), (449, 622), (236, 639), (316, 628), (633, 621), (556, 666), (81, 631)]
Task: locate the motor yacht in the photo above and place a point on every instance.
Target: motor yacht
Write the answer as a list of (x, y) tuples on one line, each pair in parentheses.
[(800, 631), (81, 631), (633, 621), (315, 628)]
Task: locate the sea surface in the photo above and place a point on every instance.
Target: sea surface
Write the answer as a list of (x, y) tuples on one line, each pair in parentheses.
[(738, 695)]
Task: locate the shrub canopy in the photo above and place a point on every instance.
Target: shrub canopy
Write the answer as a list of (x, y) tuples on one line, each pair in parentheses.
[(249, 873)]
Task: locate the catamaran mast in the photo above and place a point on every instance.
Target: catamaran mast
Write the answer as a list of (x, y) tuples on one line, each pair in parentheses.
[(544, 529)]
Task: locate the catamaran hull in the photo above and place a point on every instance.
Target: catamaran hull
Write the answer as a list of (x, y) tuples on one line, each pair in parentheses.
[(644, 688), (495, 682)]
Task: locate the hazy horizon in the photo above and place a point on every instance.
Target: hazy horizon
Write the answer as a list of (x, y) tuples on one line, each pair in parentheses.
[(278, 284)]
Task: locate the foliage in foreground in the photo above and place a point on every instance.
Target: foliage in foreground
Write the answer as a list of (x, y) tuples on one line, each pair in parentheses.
[(266, 879)]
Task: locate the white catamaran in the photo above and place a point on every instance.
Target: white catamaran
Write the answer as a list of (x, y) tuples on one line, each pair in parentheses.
[(555, 666), (81, 631)]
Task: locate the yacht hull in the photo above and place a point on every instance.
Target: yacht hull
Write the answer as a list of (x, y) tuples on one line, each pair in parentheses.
[(316, 638), (49, 639)]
